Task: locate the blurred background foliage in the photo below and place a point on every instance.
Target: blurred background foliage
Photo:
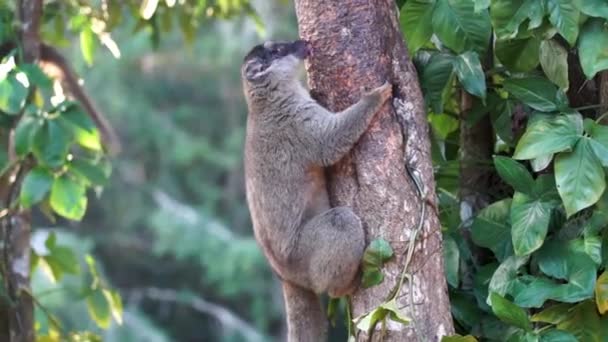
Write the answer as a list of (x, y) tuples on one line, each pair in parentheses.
[(171, 230)]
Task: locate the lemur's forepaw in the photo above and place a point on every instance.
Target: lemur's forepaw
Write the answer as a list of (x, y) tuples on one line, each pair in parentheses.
[(385, 91)]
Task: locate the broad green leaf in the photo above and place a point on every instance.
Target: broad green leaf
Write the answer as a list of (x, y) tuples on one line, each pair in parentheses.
[(481, 5), (502, 119), (601, 293), (491, 229), (564, 15), (593, 47), (378, 251), (443, 124), (579, 177), (12, 94), (451, 260), (464, 309), (554, 60), (514, 173), (367, 321), (99, 308), (530, 221), (68, 198), (36, 185), (555, 335), (599, 139), (519, 55), (459, 338), (83, 128), (523, 336), (469, 72), (583, 322), (59, 260), (52, 143), (505, 275), (508, 15), (460, 28), (437, 78), (595, 8), (26, 130), (553, 314), (89, 172), (532, 292), (540, 163), (87, 44), (549, 134), (509, 312), (536, 92), (415, 18)]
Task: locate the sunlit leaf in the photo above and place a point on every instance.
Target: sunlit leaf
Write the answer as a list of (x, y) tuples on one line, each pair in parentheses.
[(68, 198), (514, 173), (415, 18), (536, 92), (549, 134), (564, 15), (88, 44), (99, 308), (579, 176), (52, 143), (554, 60), (470, 73), (601, 293)]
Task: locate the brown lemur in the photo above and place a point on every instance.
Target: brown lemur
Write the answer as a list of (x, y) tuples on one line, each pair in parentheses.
[(312, 247)]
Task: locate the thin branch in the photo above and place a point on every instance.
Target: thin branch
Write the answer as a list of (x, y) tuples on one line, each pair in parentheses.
[(226, 317)]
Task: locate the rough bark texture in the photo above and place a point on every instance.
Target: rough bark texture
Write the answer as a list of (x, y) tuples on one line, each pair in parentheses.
[(18, 324), (357, 44), (603, 95)]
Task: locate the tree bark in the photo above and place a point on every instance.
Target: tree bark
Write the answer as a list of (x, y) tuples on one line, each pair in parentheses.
[(358, 43), (18, 315)]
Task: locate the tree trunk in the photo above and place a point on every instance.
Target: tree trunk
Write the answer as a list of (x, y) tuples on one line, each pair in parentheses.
[(18, 315), (358, 43)]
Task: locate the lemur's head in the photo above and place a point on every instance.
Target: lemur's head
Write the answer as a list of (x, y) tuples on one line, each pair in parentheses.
[(274, 61)]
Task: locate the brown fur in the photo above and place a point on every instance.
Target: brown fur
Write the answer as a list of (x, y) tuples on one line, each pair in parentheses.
[(290, 140)]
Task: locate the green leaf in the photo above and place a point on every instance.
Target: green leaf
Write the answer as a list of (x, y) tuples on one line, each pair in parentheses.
[(87, 44), (564, 15), (378, 251), (89, 172), (51, 144), (36, 185), (451, 260), (554, 335), (491, 229), (26, 130), (68, 198), (115, 302), (595, 8), (469, 72), (553, 314), (99, 308), (583, 322), (501, 117), (83, 128), (530, 219), (36, 76), (520, 55), (437, 78), (599, 139), (509, 312), (415, 18), (460, 28), (601, 293), (549, 134), (514, 174), (508, 15), (554, 60), (579, 177), (12, 94), (505, 275), (536, 92), (443, 124), (593, 47), (388, 309)]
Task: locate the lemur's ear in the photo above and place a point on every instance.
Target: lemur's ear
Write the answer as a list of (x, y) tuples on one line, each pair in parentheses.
[(254, 70)]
